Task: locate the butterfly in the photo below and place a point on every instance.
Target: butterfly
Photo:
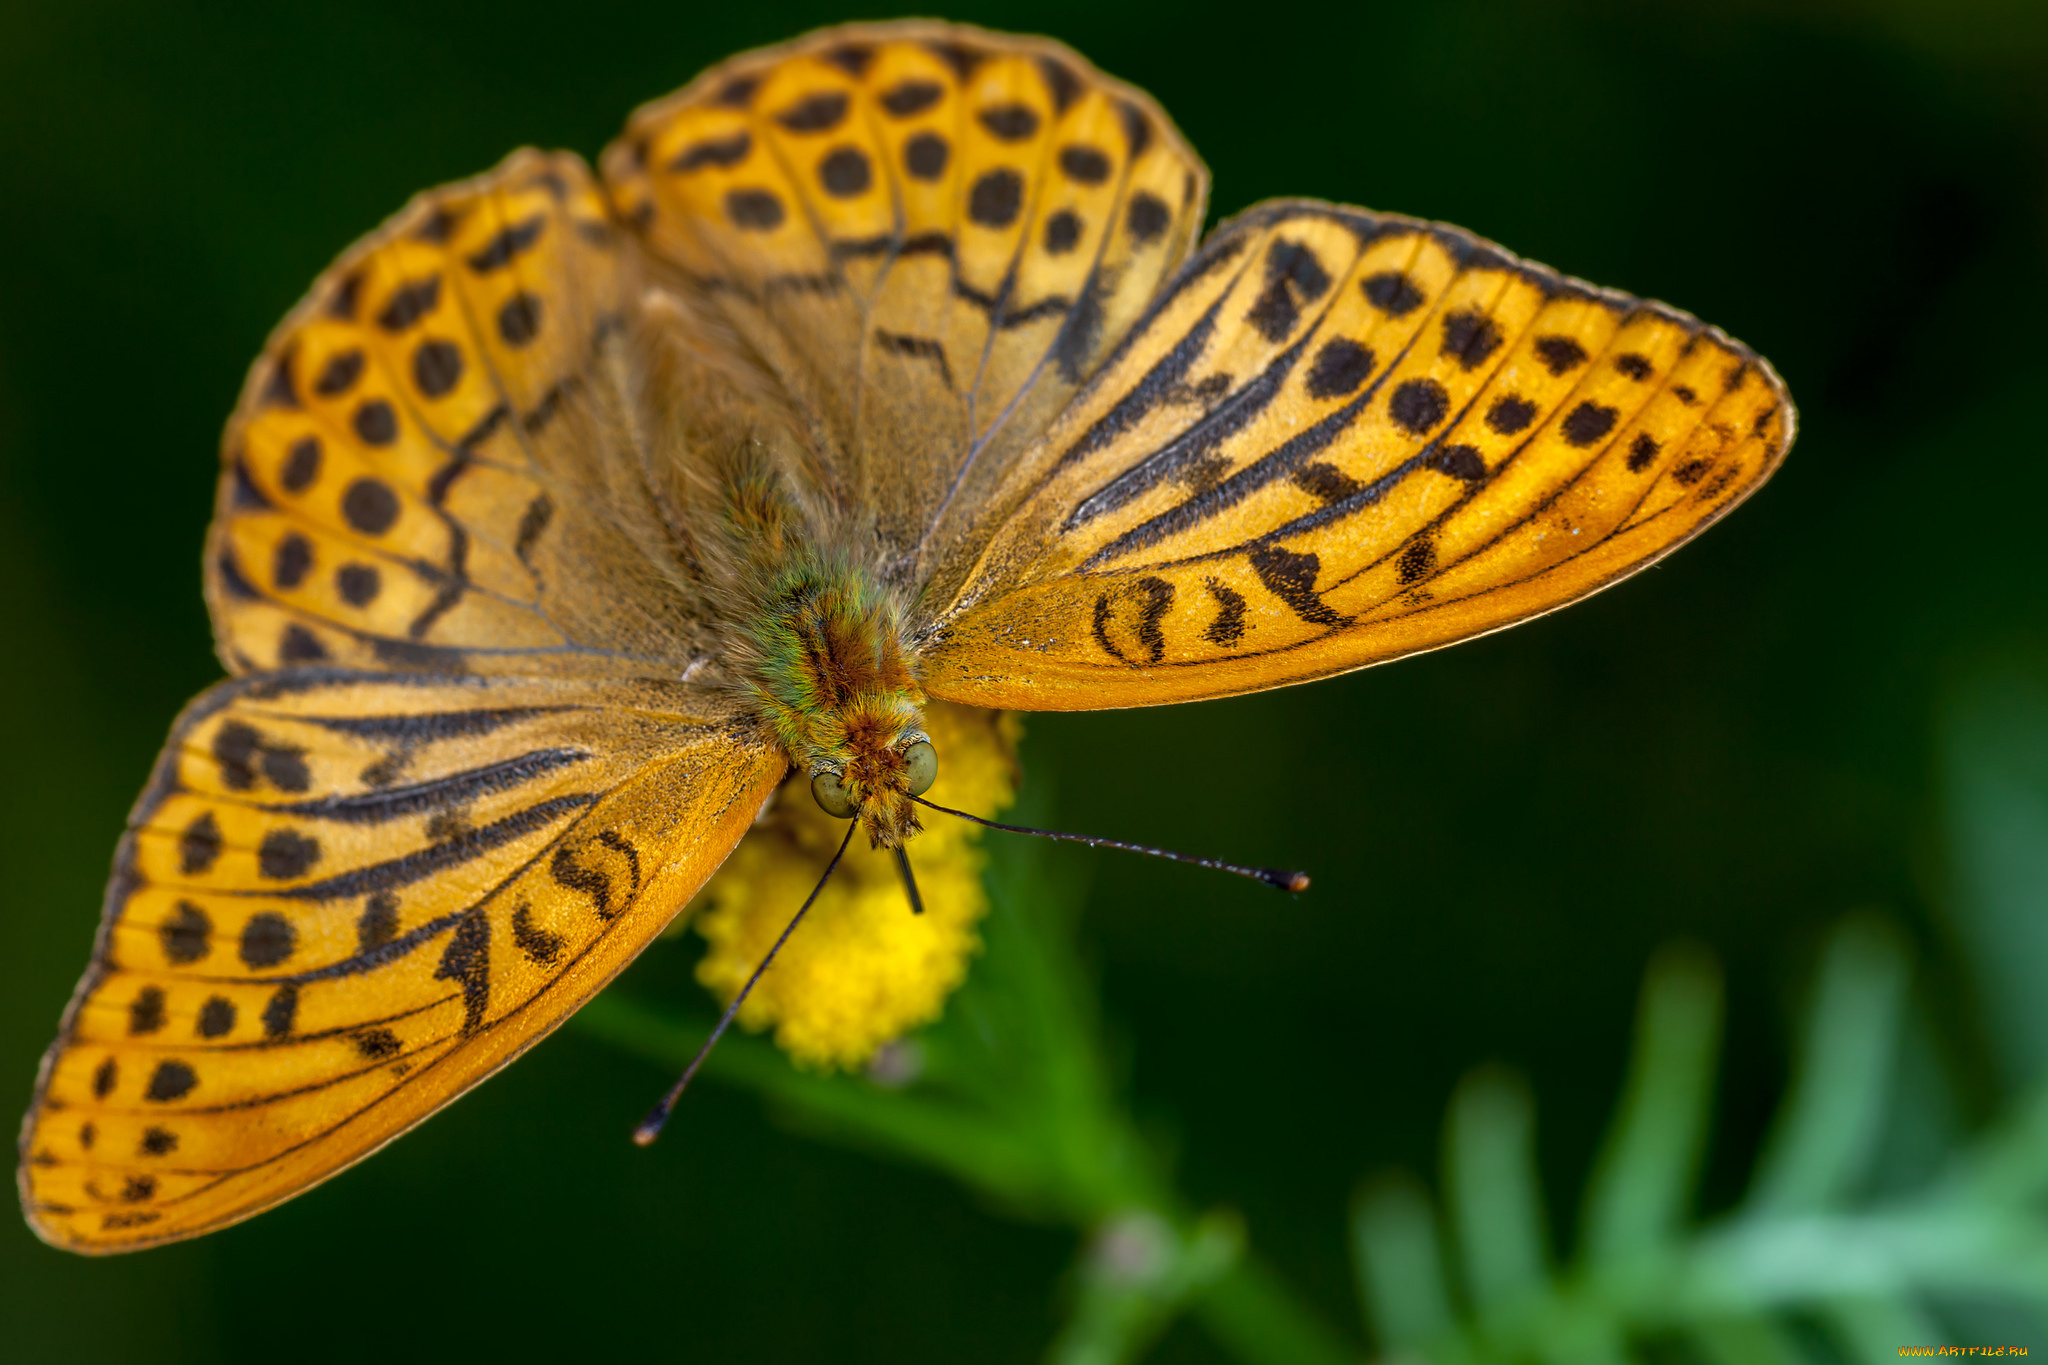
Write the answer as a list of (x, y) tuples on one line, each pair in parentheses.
[(572, 513)]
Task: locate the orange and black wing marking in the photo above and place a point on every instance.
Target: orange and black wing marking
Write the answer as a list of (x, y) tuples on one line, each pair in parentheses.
[(347, 897), (434, 463), (930, 235), (1339, 437)]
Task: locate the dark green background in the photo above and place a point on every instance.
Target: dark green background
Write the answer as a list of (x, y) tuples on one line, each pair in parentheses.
[(1735, 746)]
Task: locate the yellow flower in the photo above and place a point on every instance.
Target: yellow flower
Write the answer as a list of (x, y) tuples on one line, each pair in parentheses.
[(861, 970)]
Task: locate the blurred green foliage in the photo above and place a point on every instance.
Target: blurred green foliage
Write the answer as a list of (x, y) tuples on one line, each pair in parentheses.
[(1821, 706)]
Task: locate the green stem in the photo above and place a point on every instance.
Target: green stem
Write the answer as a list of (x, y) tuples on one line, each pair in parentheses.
[(1258, 1317)]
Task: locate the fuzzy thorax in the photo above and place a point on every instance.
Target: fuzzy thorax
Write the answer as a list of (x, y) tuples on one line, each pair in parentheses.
[(834, 680)]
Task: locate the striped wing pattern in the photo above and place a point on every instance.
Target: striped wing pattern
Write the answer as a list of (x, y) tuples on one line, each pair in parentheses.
[(1338, 437), (421, 471), (343, 899), (930, 235)]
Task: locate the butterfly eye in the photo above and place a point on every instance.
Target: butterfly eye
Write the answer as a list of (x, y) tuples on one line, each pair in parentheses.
[(920, 767), (833, 796)]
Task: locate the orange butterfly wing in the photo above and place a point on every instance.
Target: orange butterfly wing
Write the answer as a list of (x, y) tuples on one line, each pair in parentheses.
[(1336, 438), (436, 462), (344, 899), (466, 796), (930, 235)]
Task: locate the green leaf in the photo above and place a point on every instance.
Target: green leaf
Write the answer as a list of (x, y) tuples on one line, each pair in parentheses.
[(1496, 1200), (1994, 751), (1643, 1180), (1828, 1130), (1399, 1263)]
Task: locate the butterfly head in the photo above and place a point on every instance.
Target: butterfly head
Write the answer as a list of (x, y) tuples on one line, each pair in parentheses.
[(881, 773)]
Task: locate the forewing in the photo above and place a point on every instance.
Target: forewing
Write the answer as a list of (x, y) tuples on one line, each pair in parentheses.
[(1339, 437), (344, 899), (436, 462), (929, 234)]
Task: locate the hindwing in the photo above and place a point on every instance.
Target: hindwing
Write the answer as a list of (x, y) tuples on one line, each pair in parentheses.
[(434, 463), (344, 899)]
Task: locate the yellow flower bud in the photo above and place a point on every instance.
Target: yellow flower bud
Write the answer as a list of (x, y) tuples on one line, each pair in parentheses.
[(861, 969)]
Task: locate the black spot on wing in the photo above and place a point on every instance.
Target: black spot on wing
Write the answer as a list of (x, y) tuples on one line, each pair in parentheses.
[(1417, 405), (845, 173), (301, 465), (1291, 577), (718, 151), (409, 303), (852, 58), (300, 646), (171, 1080), (286, 854), (912, 97), (340, 373), (1060, 81), (467, 961), (1010, 122), (1392, 292), (378, 924), (281, 1011), (368, 505), (1460, 462), (508, 243), (267, 940), (1417, 561), (519, 319), (924, 156), (199, 846), (146, 1011), (1147, 217), (186, 934), (1470, 336), (1589, 422), (754, 210), (1062, 232), (1152, 597), (1340, 367), (1084, 164), (1510, 414), (1294, 277), (436, 367), (290, 561), (996, 198), (819, 113), (1560, 353), (216, 1017), (375, 423), (1324, 481), (540, 946), (1228, 627), (375, 1044)]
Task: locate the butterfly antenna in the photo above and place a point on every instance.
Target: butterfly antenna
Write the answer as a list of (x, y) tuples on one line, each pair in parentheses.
[(909, 882), (1277, 877), (650, 1127)]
